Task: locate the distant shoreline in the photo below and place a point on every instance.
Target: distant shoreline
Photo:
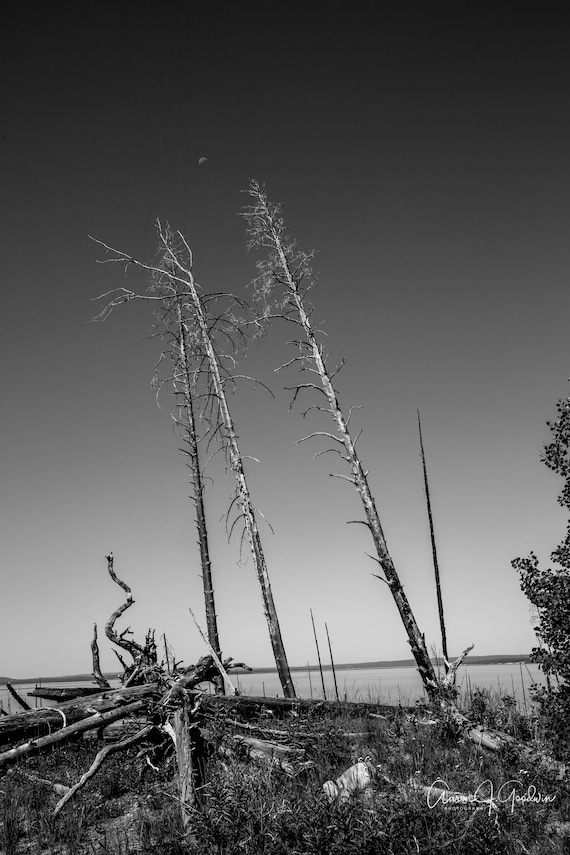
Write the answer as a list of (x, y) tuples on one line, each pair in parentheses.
[(351, 666)]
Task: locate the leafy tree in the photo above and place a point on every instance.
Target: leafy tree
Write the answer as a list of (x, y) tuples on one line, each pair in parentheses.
[(548, 589)]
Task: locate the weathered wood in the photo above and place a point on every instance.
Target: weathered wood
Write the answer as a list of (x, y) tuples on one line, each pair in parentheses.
[(98, 675), (357, 778), (254, 704), (58, 789), (434, 552), (37, 722), (184, 761), (17, 697), (128, 742), (65, 693), (93, 721)]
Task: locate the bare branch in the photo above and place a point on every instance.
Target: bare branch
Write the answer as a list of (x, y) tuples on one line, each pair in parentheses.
[(262, 515), (328, 451), (348, 478), (320, 433), (299, 387), (98, 762), (215, 656), (338, 369), (131, 647), (382, 579)]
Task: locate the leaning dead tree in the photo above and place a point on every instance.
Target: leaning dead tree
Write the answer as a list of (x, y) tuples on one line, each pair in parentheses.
[(182, 354), (283, 282), (198, 326)]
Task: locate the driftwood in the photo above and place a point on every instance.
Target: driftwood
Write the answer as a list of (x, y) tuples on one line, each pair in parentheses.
[(300, 734), (144, 656), (100, 719), (357, 778), (254, 704), (66, 693), (268, 753), (101, 681), (183, 744), (17, 697), (98, 762), (58, 789), (35, 722), (483, 738)]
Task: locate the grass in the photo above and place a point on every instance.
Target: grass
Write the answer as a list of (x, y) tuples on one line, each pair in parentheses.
[(129, 808)]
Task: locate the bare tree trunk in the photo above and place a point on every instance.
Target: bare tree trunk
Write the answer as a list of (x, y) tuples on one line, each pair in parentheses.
[(434, 553), (266, 228), (198, 488), (184, 761), (101, 681)]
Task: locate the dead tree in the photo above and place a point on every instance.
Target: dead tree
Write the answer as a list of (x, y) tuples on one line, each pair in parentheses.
[(100, 679), (174, 286), (434, 554), (284, 281), (184, 383), (144, 656)]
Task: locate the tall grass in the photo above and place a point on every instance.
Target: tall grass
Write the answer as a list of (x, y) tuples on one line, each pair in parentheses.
[(251, 809)]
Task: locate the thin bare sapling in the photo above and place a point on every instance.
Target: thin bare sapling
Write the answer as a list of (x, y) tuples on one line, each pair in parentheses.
[(434, 553)]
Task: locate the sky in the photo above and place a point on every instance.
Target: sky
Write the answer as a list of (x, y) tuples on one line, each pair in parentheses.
[(423, 152)]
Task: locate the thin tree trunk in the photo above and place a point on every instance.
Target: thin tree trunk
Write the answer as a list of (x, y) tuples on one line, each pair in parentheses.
[(332, 663), (198, 487), (434, 553), (318, 656), (17, 697)]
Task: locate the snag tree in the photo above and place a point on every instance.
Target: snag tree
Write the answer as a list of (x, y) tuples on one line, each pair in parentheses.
[(284, 281), (207, 336)]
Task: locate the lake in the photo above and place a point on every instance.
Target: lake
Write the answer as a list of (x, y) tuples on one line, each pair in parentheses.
[(389, 685)]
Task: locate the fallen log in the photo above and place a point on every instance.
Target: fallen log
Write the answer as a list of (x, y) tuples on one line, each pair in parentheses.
[(252, 704), (58, 789), (67, 693), (34, 723), (481, 737), (268, 753), (100, 719)]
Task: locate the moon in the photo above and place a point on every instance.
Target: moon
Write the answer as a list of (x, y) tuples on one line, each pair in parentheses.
[(202, 161)]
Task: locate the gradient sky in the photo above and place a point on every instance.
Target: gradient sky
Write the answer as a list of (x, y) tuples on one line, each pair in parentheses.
[(423, 152)]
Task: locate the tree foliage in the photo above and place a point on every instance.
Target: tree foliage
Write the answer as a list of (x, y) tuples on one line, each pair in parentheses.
[(548, 589)]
